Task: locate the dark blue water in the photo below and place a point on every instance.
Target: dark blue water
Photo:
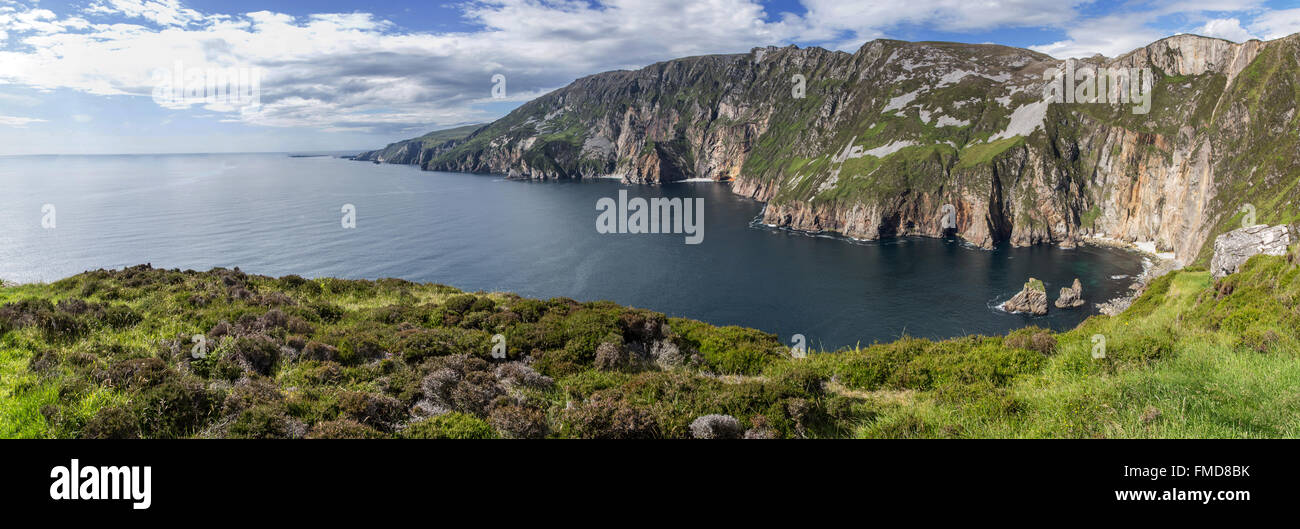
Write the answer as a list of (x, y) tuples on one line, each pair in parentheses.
[(273, 214)]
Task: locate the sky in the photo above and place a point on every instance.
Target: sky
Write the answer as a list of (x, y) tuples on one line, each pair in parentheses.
[(97, 76)]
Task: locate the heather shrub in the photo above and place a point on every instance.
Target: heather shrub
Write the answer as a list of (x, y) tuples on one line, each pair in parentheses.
[(113, 422), (543, 336), (343, 429), (529, 310), (417, 345), (61, 326), (378, 411), (43, 361), (519, 422), (257, 353), (516, 374), (249, 393), (459, 303), (483, 303), (320, 352), (177, 407), (715, 426), (607, 416), (639, 325), (451, 425), (363, 344), (613, 357), (500, 321), (731, 349), (474, 393), (135, 373), (326, 312), (1033, 339), (264, 422)]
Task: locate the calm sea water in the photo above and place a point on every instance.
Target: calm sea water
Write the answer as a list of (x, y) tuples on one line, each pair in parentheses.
[(274, 214)]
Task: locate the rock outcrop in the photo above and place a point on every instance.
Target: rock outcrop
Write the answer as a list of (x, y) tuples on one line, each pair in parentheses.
[(1071, 296), (1232, 249), (926, 139), (1031, 299)]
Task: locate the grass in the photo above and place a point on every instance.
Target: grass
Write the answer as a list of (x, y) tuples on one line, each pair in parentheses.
[(109, 354)]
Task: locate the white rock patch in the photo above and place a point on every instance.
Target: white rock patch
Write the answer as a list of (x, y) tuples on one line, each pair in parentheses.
[(886, 150), (947, 121), (1024, 121), (900, 101)]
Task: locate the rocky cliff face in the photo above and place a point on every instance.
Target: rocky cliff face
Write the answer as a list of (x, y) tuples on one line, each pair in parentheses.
[(1234, 248), (928, 139)]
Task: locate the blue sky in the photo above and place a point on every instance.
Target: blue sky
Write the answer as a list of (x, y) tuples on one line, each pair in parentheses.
[(81, 76)]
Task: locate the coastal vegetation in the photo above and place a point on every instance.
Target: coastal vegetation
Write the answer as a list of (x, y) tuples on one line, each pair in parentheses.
[(153, 353)]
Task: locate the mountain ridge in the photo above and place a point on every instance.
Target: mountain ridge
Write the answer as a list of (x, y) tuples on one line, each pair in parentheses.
[(885, 137)]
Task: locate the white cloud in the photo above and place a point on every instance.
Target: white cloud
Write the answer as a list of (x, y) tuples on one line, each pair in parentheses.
[(162, 12), (15, 121), (357, 72), (1225, 28), (1276, 24), (1110, 36)]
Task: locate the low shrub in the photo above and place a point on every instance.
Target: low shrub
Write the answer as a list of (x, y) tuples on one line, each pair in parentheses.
[(264, 422), (377, 411), (519, 422), (343, 429), (113, 422), (607, 416), (177, 407), (731, 349), (451, 425)]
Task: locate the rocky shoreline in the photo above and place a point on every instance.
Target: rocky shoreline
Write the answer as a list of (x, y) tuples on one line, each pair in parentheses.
[(1154, 265)]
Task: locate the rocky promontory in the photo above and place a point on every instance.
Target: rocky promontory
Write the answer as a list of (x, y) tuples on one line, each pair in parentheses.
[(1031, 299), (1071, 296)]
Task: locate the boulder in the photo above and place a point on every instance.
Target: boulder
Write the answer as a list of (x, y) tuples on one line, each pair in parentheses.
[(1032, 299), (1071, 296), (1235, 247)]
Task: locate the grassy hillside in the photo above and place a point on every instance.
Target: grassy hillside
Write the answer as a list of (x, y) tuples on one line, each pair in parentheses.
[(113, 354), (439, 137)]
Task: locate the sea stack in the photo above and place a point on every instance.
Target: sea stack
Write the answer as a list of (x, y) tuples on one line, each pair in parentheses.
[(1071, 296), (1032, 299)]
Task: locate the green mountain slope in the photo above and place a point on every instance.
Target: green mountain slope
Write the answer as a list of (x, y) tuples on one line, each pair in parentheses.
[(930, 124)]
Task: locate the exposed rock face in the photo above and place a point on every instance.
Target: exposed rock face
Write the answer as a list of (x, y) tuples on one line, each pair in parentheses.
[(1232, 249), (885, 139), (1032, 299), (1071, 296)]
